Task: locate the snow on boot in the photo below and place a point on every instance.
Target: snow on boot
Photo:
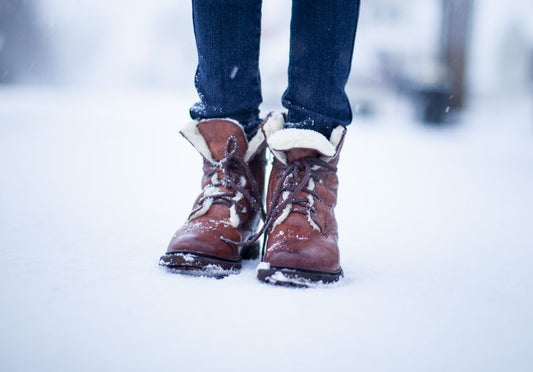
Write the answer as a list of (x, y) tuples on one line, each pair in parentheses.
[(229, 207), (301, 231)]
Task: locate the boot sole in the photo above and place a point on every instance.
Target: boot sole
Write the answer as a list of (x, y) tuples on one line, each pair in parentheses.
[(290, 277), (196, 264)]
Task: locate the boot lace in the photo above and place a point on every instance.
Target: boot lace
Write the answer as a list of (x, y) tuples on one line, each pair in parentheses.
[(296, 178), (236, 174)]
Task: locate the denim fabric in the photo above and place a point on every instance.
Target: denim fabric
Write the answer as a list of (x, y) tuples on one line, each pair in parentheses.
[(227, 77), (321, 46)]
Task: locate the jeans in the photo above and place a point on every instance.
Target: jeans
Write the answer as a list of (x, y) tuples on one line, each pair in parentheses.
[(227, 79)]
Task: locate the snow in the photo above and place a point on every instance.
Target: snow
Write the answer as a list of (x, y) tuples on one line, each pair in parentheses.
[(186, 256), (435, 236), (311, 201), (263, 266), (234, 219), (279, 277), (286, 211), (435, 223), (233, 72)]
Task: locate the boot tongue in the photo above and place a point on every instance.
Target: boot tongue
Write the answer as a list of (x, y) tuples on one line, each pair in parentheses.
[(300, 153), (216, 134)]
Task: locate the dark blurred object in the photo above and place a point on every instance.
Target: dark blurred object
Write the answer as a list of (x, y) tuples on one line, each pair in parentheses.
[(433, 103), (437, 84), (455, 36), (23, 52), (426, 82), (444, 88)]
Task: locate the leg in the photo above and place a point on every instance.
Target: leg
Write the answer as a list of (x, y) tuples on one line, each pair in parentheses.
[(227, 78), (228, 209), (322, 39), (301, 246)]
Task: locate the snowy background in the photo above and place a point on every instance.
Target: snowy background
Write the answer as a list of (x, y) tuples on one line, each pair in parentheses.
[(436, 222)]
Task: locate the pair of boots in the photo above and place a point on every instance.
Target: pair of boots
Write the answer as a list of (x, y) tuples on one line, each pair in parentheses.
[(299, 225)]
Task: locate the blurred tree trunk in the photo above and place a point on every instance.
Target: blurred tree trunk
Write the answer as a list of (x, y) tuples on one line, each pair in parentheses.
[(455, 37)]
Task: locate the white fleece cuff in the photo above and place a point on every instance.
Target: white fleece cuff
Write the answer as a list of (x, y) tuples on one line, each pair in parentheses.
[(192, 134), (290, 138)]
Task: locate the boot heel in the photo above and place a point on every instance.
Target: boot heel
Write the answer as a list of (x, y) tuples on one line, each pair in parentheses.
[(251, 252)]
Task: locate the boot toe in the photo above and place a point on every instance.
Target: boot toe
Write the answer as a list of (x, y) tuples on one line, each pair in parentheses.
[(204, 238), (314, 253)]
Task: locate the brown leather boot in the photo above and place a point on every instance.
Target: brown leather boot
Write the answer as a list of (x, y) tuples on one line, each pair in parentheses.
[(230, 206), (301, 243)]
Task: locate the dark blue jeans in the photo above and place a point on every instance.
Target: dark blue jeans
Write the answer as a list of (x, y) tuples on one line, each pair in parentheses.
[(321, 47)]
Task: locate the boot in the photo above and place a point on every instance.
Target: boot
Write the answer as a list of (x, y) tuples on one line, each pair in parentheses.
[(301, 231), (228, 209)]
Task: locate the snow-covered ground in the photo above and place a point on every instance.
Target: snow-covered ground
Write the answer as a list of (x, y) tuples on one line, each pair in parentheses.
[(436, 241)]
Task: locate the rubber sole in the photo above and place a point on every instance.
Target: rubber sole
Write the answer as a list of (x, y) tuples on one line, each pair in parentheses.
[(196, 264), (290, 277), (199, 265)]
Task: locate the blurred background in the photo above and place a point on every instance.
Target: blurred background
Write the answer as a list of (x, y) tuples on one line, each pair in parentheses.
[(435, 207), (441, 55)]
